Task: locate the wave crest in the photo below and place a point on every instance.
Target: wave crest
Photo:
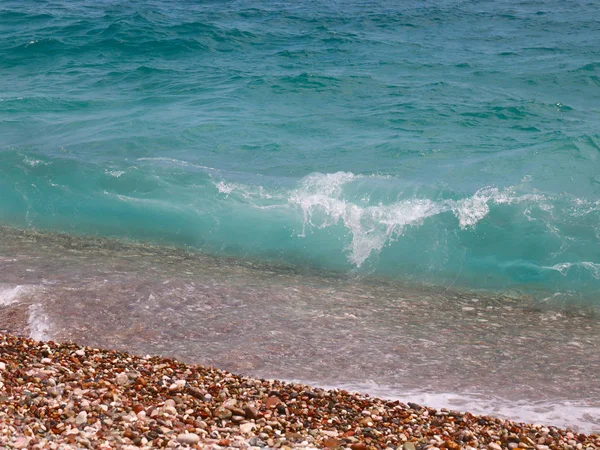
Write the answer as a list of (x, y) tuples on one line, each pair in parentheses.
[(323, 202)]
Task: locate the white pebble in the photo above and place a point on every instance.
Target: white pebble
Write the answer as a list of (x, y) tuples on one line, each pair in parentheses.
[(188, 438), (122, 379), (246, 428), (81, 418)]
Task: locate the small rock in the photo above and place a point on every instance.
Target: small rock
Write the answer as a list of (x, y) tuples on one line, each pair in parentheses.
[(229, 403), (359, 446), (329, 433), (246, 428), (409, 446), (81, 418), (53, 391), (169, 410), (452, 445), (21, 442), (494, 446), (256, 442), (294, 436), (272, 402), (222, 413), (122, 379), (251, 413), (188, 438)]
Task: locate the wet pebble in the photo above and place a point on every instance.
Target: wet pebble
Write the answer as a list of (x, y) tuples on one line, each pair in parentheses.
[(155, 402)]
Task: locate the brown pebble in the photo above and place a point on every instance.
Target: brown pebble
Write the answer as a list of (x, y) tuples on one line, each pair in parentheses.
[(251, 412), (272, 402), (332, 443), (359, 446)]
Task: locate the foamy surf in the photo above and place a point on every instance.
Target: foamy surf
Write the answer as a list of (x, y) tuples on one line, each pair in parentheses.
[(330, 200), (38, 323), (578, 416), (564, 268), (12, 294)]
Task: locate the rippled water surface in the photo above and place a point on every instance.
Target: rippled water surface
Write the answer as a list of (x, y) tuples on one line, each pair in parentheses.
[(454, 142)]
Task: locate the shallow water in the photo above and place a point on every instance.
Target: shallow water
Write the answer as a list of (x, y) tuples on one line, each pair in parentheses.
[(513, 357)]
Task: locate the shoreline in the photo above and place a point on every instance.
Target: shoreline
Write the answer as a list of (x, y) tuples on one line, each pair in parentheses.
[(53, 394)]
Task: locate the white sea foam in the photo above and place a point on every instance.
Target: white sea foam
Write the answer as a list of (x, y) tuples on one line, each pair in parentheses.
[(563, 268), (114, 173), (225, 188), (39, 325), (581, 416), (322, 201), (11, 294), (247, 192), (177, 162), (31, 162)]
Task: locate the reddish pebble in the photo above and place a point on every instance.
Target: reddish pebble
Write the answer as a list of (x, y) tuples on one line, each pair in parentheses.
[(272, 402), (359, 446)]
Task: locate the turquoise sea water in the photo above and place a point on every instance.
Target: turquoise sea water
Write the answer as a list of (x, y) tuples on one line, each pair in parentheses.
[(455, 143)]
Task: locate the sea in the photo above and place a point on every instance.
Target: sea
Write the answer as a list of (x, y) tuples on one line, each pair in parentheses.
[(395, 197)]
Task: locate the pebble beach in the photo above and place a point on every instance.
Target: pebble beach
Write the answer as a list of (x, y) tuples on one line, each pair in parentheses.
[(62, 395)]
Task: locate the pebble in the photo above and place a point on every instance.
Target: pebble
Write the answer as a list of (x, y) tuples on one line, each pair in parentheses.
[(21, 442), (246, 428), (122, 379), (81, 418), (127, 403), (222, 413), (188, 438)]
